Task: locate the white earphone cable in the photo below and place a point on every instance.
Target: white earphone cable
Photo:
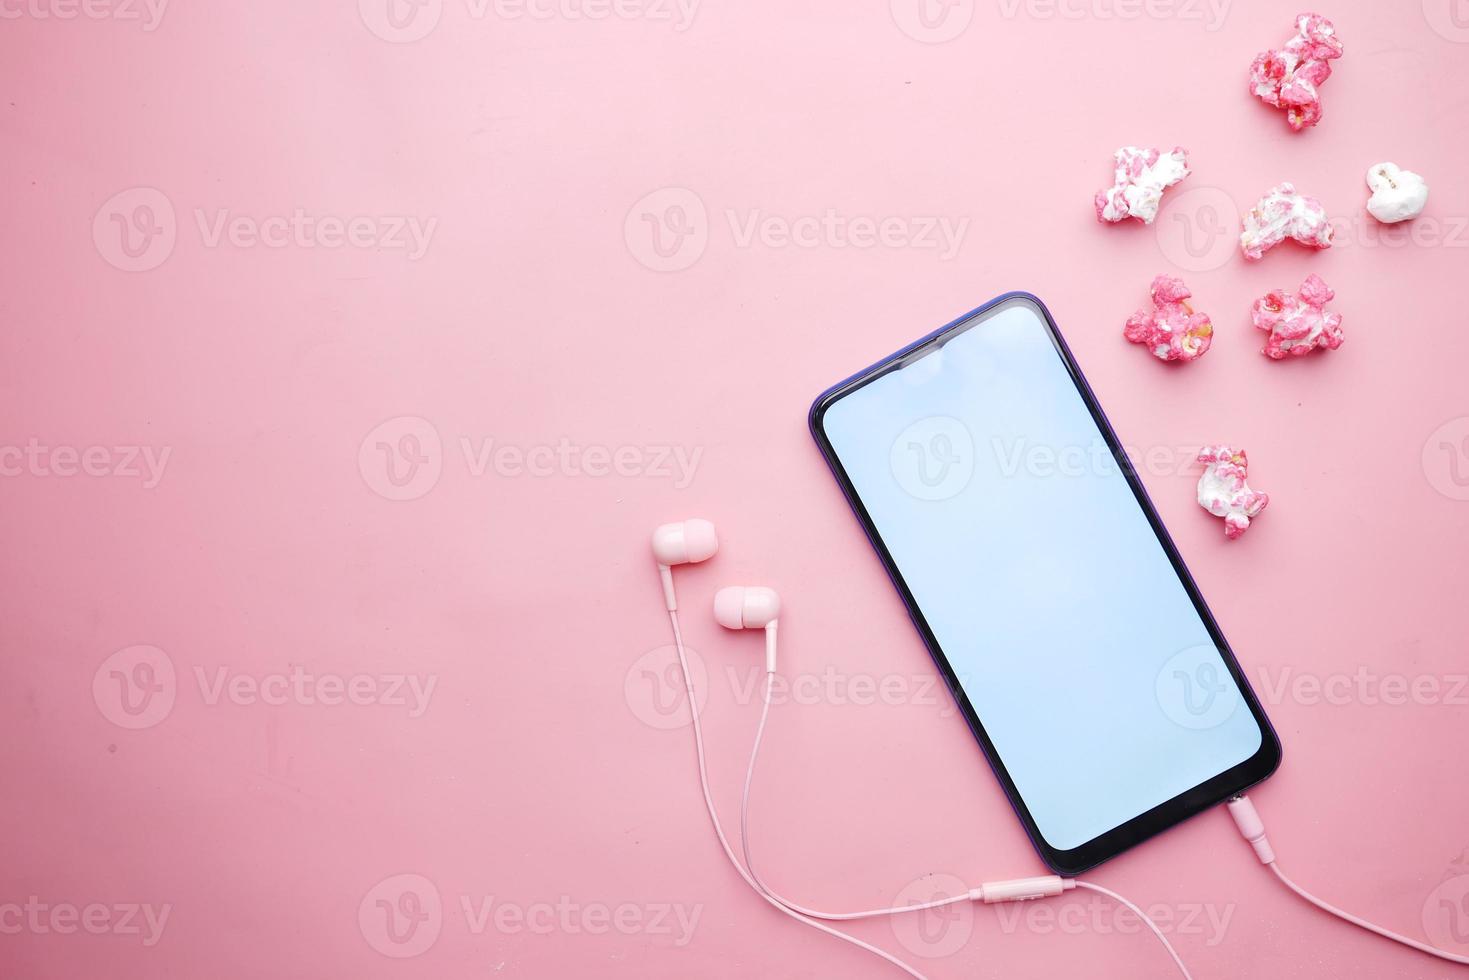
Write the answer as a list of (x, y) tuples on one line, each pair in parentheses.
[(719, 831), (1364, 924), (1089, 886), (973, 895), (1252, 828), (750, 862)]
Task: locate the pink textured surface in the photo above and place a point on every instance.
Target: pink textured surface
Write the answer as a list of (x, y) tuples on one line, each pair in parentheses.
[(541, 772)]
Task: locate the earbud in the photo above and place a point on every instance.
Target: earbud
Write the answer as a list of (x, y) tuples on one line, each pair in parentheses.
[(743, 607), (681, 543), (750, 607)]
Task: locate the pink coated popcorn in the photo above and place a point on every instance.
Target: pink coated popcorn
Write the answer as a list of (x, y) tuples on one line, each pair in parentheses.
[(1141, 177), (1172, 331), (1280, 214), (1290, 78), (1223, 491), (1298, 324)]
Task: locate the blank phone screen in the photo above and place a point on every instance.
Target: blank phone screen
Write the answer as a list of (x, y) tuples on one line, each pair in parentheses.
[(1031, 559)]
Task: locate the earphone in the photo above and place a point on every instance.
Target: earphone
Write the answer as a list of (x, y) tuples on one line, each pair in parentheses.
[(681, 543), (749, 607), (758, 607), (671, 546)]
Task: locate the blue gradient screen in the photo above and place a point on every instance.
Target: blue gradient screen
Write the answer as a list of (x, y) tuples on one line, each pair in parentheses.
[(1033, 563)]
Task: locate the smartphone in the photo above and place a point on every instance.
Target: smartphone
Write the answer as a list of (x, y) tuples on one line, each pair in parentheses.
[(1051, 597)]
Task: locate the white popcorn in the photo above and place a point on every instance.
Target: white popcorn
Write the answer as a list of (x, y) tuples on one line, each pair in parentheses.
[(1140, 177), (1397, 195), (1223, 491), (1283, 213)]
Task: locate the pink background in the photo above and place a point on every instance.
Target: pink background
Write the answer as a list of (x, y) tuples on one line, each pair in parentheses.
[(538, 773)]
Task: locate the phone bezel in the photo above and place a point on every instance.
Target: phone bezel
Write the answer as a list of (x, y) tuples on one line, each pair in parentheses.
[(1207, 794)]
